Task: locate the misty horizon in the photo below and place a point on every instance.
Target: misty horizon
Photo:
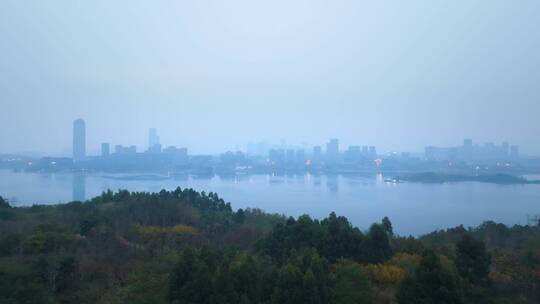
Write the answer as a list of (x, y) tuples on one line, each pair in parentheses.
[(95, 150), (241, 151), (215, 76)]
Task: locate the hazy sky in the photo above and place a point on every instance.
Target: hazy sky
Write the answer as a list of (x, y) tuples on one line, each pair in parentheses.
[(213, 74)]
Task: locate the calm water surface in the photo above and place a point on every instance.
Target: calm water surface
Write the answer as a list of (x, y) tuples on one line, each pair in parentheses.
[(413, 208)]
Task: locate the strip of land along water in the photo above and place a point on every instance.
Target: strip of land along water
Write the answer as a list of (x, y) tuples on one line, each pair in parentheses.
[(432, 177)]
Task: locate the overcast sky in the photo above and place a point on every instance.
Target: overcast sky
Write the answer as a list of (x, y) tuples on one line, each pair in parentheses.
[(211, 75)]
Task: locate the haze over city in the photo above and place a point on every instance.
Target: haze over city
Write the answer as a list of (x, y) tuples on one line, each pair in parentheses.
[(214, 75), (270, 152)]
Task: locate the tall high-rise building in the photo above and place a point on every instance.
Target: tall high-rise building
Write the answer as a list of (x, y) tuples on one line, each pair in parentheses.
[(119, 149), (468, 149), (505, 149), (276, 156), (105, 149), (365, 151), (353, 154), (300, 156), (79, 139), (514, 152), (153, 138), (290, 156), (317, 154), (332, 150), (155, 148)]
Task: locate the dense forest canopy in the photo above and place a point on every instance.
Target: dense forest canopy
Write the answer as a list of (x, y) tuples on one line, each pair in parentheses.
[(183, 246)]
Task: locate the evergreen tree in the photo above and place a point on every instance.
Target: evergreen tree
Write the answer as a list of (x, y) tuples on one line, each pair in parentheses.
[(239, 216), (377, 245), (431, 283), (288, 289), (387, 225), (473, 263), (473, 260), (223, 286), (350, 285), (4, 203)]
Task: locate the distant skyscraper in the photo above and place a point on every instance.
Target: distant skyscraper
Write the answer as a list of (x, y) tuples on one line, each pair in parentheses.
[(153, 138), (290, 156), (300, 156), (79, 139), (505, 149), (156, 148), (317, 154), (353, 154), (514, 152), (283, 143), (105, 149), (276, 156), (119, 149), (468, 149), (332, 150)]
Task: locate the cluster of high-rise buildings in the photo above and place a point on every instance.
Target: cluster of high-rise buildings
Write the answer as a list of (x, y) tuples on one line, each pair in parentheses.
[(155, 156), (473, 152), (282, 155), (330, 156), (265, 158), (154, 145)]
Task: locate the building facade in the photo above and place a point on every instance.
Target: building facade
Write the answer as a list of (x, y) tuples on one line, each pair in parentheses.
[(79, 139)]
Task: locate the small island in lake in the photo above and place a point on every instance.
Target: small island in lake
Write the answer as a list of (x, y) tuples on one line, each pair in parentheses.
[(436, 178)]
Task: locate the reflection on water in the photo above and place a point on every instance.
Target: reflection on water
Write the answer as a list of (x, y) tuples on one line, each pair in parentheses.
[(317, 180), (413, 208), (79, 186), (332, 182), (379, 178)]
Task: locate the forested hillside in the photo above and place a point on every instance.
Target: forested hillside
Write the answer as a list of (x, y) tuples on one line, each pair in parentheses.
[(182, 246)]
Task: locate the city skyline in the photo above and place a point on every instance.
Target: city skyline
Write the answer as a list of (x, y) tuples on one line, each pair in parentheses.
[(333, 151), (332, 158), (242, 151), (93, 143), (216, 75), (79, 146)]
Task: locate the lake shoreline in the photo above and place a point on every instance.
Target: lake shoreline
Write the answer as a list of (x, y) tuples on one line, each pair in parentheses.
[(364, 198), (440, 178)]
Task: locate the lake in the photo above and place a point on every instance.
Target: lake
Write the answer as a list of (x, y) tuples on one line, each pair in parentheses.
[(413, 208)]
